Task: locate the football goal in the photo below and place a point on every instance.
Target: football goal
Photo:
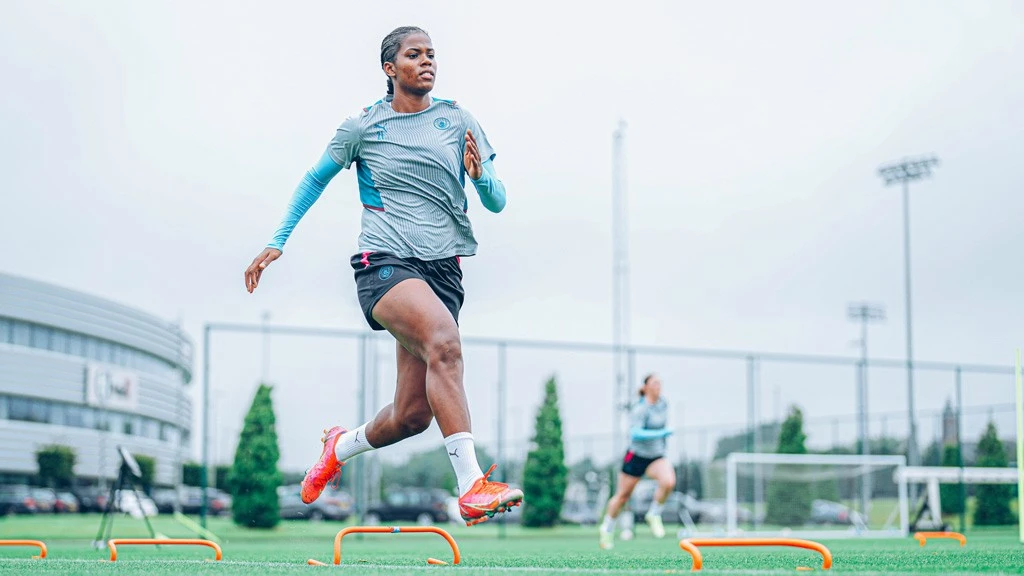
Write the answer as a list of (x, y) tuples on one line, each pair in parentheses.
[(815, 496)]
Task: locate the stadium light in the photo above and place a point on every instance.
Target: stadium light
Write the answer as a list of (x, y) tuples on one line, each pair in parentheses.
[(864, 313), (904, 172)]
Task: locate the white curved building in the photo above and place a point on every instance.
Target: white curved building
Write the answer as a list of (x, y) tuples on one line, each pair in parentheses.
[(91, 374)]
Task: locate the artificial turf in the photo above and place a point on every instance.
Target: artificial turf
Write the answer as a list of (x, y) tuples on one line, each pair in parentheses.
[(563, 550)]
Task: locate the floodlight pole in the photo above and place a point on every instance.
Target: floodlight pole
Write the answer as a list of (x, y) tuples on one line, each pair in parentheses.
[(864, 313), (904, 172), (620, 281), (203, 480)]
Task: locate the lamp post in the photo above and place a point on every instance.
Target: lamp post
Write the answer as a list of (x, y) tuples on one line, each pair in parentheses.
[(904, 172), (620, 281), (864, 313)]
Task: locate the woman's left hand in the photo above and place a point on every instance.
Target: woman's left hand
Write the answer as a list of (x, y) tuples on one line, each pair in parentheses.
[(471, 157)]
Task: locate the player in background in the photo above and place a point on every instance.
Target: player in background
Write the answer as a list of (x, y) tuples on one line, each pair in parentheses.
[(649, 431), (412, 154)]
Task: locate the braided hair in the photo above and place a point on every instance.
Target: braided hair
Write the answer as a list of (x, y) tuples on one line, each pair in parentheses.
[(392, 42)]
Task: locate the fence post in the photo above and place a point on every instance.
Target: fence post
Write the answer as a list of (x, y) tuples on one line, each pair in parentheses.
[(360, 480), (502, 386), (203, 480), (960, 448)]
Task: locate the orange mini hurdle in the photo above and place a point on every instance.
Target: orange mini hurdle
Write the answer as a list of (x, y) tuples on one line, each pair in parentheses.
[(42, 547), (923, 537), (392, 530), (113, 544), (691, 545)]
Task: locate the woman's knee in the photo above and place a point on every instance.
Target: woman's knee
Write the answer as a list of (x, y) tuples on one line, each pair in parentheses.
[(626, 492)]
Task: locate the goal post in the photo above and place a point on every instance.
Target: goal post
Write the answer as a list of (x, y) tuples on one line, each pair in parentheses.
[(1020, 445), (816, 495)]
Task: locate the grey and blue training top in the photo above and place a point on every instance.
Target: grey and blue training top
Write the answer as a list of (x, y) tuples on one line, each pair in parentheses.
[(411, 180), (649, 428)]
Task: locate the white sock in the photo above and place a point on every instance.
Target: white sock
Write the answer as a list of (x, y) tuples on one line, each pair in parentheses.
[(352, 443), (462, 453), (656, 508), (608, 524)]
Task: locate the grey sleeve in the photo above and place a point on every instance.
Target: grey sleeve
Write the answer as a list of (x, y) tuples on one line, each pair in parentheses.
[(344, 147), (638, 415), (486, 150)]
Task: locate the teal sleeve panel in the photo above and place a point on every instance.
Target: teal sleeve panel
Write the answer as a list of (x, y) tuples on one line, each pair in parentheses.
[(649, 433), (306, 193), (490, 188)]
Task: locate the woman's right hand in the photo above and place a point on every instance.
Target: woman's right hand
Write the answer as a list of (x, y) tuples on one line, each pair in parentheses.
[(259, 264)]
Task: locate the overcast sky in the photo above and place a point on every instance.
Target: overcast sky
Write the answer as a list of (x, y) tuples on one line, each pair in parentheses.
[(149, 149)]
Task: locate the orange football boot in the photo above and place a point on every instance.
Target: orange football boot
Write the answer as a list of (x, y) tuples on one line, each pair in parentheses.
[(325, 469), (486, 498)]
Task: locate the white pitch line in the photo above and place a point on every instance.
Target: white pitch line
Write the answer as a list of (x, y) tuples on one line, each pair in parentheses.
[(366, 566), (487, 569)]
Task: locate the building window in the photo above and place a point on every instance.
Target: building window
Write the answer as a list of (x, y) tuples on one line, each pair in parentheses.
[(46, 338), (107, 421), (150, 428), (21, 334), (106, 352), (77, 416), (59, 341), (41, 337), (58, 414), (29, 410), (74, 416), (92, 348), (76, 345)]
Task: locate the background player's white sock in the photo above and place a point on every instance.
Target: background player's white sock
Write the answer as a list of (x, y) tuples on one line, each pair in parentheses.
[(608, 524), (462, 453), (656, 508), (352, 443)]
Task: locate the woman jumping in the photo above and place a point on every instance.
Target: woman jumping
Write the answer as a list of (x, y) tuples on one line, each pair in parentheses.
[(646, 455), (412, 154)]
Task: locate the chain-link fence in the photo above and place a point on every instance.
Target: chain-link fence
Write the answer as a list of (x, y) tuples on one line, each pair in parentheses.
[(720, 401)]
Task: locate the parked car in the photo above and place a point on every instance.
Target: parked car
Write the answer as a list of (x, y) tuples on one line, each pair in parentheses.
[(166, 500), (582, 504), (331, 505), (827, 512), (91, 498), (66, 503), (135, 504), (190, 500), (420, 505), (46, 500), (17, 499)]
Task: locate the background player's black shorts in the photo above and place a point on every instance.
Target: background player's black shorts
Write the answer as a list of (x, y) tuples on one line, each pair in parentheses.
[(378, 272), (636, 466)]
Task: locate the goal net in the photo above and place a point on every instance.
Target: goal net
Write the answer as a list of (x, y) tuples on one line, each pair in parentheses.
[(815, 496)]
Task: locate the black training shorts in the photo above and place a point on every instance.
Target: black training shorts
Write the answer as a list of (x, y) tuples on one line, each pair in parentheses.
[(636, 466), (378, 272)]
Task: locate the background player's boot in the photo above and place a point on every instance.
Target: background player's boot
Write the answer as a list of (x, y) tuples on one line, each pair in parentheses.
[(486, 498), (325, 469), (654, 521), (606, 538)]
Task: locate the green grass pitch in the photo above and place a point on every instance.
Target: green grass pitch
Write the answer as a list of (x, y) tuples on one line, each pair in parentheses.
[(563, 550)]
